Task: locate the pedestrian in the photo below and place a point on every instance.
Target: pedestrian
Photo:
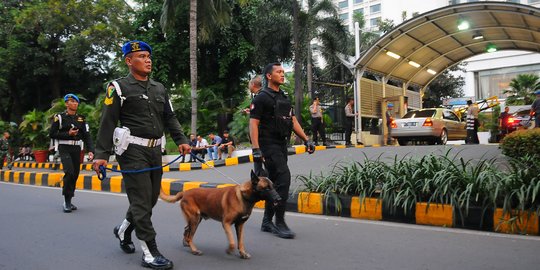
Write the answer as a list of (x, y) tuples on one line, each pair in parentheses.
[(227, 145), (271, 122), (200, 147), (213, 147), (144, 110), (472, 123), (389, 120), (317, 121), (192, 143), (503, 122), (349, 120), (254, 85), (4, 151), (70, 133), (535, 109)]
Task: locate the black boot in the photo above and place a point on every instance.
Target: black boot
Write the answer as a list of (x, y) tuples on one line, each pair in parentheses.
[(123, 233), (67, 204), (282, 230), (267, 224), (152, 258)]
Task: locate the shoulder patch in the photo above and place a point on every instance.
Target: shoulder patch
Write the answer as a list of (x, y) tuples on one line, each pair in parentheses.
[(55, 118), (110, 90)]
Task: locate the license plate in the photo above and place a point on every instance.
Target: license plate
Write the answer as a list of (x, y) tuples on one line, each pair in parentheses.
[(409, 124)]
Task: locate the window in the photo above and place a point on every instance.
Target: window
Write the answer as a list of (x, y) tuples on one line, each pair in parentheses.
[(344, 16), (449, 115), (377, 8), (420, 114), (358, 1), (360, 10), (534, 1), (374, 22), (513, 1), (343, 4), (453, 2)]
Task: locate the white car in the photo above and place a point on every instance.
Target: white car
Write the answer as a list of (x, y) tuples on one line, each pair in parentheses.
[(433, 126)]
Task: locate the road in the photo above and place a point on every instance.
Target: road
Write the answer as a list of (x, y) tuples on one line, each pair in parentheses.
[(36, 234)]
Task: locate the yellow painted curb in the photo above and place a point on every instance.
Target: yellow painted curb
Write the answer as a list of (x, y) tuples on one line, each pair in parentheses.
[(437, 214), (16, 176), (55, 179), (192, 185), (320, 147), (80, 182), (39, 179), (359, 146), (185, 167), (26, 178), (341, 146), (6, 176), (310, 203), (116, 184), (376, 145), (250, 158), (526, 222), (300, 149), (260, 204), (96, 183), (166, 185), (371, 208), (207, 164), (166, 169), (231, 161)]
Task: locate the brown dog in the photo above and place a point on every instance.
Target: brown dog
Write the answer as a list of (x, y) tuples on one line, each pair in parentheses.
[(229, 205)]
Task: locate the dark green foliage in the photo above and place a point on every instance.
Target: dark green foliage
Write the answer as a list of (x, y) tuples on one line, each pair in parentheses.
[(522, 142)]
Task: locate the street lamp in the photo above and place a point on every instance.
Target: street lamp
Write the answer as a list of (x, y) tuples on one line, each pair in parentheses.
[(463, 24), (491, 48)]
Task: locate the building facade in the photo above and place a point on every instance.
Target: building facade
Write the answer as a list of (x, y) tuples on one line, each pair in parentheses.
[(485, 75)]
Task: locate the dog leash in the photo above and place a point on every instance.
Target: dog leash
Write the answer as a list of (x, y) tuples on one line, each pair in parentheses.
[(102, 174), (214, 168)]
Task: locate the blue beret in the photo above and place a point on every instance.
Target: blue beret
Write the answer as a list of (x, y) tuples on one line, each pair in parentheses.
[(135, 46), (537, 92), (73, 96)]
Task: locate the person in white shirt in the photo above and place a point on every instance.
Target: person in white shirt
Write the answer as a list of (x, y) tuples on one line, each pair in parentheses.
[(200, 147)]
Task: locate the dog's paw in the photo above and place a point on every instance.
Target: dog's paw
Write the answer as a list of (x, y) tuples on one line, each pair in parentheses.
[(197, 252), (230, 251), (244, 255), (185, 243)]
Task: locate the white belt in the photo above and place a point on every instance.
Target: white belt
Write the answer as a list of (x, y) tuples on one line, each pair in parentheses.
[(70, 142), (144, 142)]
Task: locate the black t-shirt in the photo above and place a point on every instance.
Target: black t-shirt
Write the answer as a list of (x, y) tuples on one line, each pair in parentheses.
[(262, 108), (504, 118), (226, 140)]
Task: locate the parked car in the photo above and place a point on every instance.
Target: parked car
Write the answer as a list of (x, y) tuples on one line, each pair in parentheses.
[(433, 126), (520, 119)]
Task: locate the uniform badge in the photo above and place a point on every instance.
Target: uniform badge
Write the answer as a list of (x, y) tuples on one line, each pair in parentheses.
[(56, 118), (109, 95), (80, 119)]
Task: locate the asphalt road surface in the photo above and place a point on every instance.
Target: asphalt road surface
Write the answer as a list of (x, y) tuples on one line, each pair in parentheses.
[(36, 234)]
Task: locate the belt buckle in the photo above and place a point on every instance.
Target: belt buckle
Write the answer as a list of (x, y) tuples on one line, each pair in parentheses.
[(151, 142)]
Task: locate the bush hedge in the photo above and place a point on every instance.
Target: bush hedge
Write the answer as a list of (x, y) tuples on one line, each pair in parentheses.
[(522, 142)]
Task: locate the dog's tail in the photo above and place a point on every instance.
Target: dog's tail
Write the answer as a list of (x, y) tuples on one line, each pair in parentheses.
[(170, 198)]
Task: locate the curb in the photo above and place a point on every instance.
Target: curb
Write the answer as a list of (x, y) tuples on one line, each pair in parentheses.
[(315, 203), (295, 150)]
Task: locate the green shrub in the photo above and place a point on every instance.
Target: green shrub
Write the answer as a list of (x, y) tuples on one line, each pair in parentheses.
[(521, 143)]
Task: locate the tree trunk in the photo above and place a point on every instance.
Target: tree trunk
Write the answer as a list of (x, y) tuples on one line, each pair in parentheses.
[(193, 62), (298, 88)]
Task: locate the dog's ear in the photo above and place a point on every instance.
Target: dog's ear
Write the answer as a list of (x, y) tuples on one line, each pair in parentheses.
[(263, 173), (254, 178)]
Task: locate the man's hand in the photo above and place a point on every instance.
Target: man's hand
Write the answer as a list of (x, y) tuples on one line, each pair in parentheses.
[(310, 146), (97, 163), (184, 149), (257, 155), (73, 131), (90, 156)]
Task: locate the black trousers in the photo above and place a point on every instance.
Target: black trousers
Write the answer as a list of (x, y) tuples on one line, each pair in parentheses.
[(317, 127), (70, 156), (349, 123), (142, 189), (275, 161)]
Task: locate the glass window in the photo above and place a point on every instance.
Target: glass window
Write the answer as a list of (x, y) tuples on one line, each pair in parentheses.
[(377, 8), (534, 1), (358, 1), (374, 22), (513, 1), (421, 113), (344, 16), (343, 4), (449, 115), (359, 10)]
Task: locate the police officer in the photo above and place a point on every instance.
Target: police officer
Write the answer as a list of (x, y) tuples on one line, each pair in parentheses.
[(4, 151), (69, 131), (270, 125), (535, 109), (143, 108)]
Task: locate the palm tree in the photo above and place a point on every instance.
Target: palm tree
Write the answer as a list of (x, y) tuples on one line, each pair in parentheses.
[(522, 88), (217, 13)]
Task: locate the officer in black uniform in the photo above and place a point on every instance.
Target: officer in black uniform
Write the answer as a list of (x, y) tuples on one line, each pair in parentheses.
[(69, 130), (142, 105), (270, 125)]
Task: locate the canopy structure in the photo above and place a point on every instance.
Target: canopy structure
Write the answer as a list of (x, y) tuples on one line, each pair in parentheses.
[(419, 49)]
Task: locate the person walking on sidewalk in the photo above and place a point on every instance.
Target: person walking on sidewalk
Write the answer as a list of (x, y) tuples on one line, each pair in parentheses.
[(4, 151), (70, 132), (143, 108), (271, 122), (349, 120)]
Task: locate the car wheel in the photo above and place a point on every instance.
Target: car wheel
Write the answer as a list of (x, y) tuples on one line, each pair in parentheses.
[(443, 138), (402, 141)]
